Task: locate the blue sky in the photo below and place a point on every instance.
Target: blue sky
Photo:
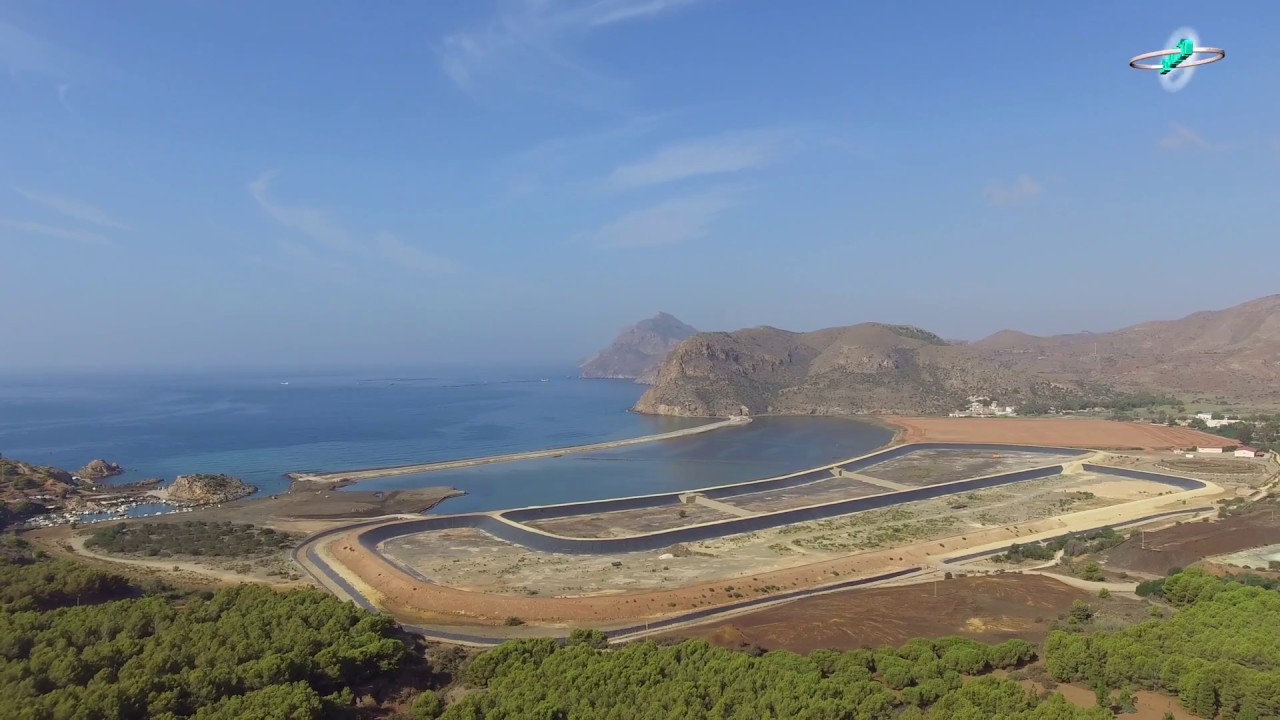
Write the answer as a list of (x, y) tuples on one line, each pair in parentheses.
[(322, 183)]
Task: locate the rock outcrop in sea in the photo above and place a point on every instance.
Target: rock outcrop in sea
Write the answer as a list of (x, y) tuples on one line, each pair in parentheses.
[(99, 469), (207, 489)]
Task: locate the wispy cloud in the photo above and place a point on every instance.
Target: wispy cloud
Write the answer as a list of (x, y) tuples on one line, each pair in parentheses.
[(60, 233), (668, 223), (74, 209), (1020, 190), (309, 221), (608, 12), (23, 52), (733, 152), (1181, 137), (532, 169), (316, 225), (412, 258), (526, 45)]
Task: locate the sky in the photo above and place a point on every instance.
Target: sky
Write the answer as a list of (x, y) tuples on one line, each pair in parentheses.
[(203, 183)]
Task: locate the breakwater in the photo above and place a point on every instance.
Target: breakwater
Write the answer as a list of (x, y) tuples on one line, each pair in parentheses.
[(347, 476)]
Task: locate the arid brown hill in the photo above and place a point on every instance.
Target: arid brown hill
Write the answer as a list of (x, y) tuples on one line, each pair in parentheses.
[(22, 483), (638, 351), (862, 369), (1233, 353)]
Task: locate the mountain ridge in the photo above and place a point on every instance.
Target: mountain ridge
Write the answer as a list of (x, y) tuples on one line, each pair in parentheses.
[(1232, 353), (638, 350), (869, 368), (875, 368)]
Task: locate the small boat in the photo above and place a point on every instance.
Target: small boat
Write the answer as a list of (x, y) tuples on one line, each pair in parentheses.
[(285, 382), (545, 380)]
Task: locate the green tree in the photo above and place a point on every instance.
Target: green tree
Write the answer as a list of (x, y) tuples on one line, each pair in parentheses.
[(1080, 612), (1092, 572), (590, 637), (427, 706)]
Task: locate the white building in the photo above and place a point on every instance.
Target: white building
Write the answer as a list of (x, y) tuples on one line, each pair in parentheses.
[(1248, 452), (978, 408), (1217, 450)]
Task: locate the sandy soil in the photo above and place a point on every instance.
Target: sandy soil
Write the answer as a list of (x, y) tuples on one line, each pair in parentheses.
[(472, 560), (1059, 432), (991, 609), (412, 599), (1150, 705)]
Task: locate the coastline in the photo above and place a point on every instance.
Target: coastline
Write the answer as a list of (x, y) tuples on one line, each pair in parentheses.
[(303, 480)]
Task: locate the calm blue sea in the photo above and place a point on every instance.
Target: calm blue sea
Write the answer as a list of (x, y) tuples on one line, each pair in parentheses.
[(257, 427)]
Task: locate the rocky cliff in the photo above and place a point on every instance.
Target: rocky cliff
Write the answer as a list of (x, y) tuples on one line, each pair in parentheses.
[(870, 368), (207, 489), (638, 351)]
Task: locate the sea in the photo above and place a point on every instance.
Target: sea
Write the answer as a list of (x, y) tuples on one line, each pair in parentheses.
[(260, 425)]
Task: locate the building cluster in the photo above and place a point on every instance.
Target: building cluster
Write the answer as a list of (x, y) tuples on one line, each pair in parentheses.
[(1213, 422), (1243, 451), (982, 406)]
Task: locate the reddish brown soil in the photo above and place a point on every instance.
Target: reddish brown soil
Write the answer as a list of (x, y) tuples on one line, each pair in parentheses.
[(1150, 705), (1183, 545), (991, 609), (1062, 432)]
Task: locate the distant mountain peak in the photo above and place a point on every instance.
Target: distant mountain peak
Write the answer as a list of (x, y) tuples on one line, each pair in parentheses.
[(638, 350)]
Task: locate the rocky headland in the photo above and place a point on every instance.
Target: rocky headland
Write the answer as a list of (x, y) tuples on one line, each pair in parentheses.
[(638, 350), (875, 368), (870, 368)]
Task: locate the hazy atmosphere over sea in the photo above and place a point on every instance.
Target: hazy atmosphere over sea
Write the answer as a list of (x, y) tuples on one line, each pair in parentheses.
[(256, 427)]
